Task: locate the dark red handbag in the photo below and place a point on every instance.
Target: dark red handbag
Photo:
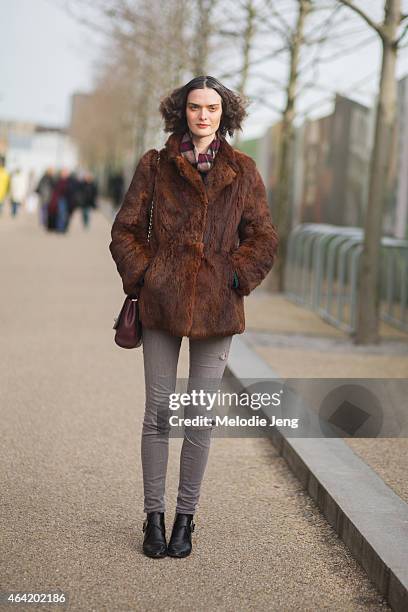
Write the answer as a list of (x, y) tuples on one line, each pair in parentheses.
[(127, 324)]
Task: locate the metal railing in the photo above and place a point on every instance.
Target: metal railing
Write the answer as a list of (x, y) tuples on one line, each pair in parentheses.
[(322, 271)]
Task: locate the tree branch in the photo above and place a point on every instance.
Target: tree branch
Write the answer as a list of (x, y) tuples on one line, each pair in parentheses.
[(373, 24), (401, 36), (342, 52), (286, 27), (261, 100)]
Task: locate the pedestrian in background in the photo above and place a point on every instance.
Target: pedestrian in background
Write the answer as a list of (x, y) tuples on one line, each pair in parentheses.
[(89, 197), (58, 214), (18, 190), (73, 194), (4, 183), (212, 242), (116, 186), (44, 190)]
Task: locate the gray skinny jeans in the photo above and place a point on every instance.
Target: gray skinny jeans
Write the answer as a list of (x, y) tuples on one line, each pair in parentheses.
[(208, 358)]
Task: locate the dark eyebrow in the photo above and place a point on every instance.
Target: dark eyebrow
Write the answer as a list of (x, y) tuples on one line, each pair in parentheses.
[(195, 104)]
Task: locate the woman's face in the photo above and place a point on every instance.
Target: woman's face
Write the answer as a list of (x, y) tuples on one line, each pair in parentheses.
[(203, 111)]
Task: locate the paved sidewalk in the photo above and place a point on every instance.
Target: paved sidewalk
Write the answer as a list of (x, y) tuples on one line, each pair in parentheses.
[(303, 345), (72, 408), (297, 343)]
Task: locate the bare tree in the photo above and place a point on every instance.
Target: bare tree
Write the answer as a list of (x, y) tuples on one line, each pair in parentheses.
[(202, 34), (369, 280), (132, 31), (287, 136), (302, 74), (246, 40)]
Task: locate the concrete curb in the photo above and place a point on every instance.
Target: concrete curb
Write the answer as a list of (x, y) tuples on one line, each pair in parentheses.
[(369, 517)]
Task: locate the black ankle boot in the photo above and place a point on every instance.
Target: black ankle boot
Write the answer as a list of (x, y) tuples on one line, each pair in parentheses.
[(154, 543), (180, 541)]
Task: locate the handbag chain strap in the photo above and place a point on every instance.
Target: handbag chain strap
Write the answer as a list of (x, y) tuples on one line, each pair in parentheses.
[(151, 209)]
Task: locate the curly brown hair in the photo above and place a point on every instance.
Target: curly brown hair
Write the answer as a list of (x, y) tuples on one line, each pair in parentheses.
[(173, 106)]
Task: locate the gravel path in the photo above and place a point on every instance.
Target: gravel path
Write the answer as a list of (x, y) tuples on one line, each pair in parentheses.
[(72, 409)]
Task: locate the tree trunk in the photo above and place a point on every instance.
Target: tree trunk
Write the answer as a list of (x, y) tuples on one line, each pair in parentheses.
[(249, 33), (202, 36), (369, 279), (281, 214)]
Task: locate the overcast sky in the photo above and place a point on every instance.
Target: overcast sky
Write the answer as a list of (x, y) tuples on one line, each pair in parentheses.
[(46, 56), (44, 59)]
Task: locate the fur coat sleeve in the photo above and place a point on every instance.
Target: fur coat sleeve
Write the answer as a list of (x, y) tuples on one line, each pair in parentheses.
[(259, 239), (129, 247)]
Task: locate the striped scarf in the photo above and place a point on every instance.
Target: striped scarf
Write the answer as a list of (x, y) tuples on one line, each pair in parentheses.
[(202, 161)]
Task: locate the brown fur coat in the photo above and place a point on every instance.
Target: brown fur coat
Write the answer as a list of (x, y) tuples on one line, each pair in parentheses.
[(201, 233)]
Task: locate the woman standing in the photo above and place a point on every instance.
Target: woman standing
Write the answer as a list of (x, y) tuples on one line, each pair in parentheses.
[(212, 242)]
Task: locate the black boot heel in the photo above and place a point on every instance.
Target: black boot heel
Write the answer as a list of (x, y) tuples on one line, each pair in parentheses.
[(180, 540), (154, 543)]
